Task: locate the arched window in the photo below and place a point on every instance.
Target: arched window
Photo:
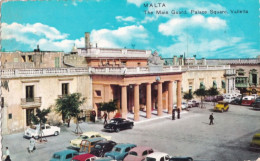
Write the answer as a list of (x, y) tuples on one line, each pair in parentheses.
[(214, 84), (223, 84)]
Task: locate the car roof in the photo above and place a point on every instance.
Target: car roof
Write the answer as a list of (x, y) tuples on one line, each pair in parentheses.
[(90, 133), (124, 145), (65, 151), (140, 149), (83, 156), (157, 154), (95, 139)]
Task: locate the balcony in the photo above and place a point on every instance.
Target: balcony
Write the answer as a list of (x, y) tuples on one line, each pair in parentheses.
[(31, 102)]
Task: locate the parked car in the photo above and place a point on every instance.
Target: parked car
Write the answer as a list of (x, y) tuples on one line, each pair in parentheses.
[(221, 106), (47, 130), (118, 124), (120, 151), (184, 105), (213, 98), (102, 147), (65, 155), (75, 143), (229, 99), (193, 103), (248, 100), (256, 104), (157, 156), (181, 159), (236, 101), (84, 157), (87, 145), (138, 153), (255, 143)]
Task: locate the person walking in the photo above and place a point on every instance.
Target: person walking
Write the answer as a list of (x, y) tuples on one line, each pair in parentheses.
[(173, 114), (105, 118), (211, 118), (31, 145), (7, 153)]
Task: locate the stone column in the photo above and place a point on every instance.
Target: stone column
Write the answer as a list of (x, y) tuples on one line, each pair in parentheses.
[(124, 100), (179, 94), (136, 102), (159, 108), (148, 100), (170, 97)]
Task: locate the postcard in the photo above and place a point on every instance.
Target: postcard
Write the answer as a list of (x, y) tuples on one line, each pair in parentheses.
[(130, 80)]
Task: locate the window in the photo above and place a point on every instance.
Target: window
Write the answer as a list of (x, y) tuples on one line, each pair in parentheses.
[(145, 153), (10, 116), (30, 57), (223, 84), (123, 63), (23, 58), (29, 113), (68, 156), (133, 153), (202, 85), (162, 159), (190, 89), (29, 93), (2, 102), (65, 89), (127, 149), (98, 93), (48, 127), (139, 64), (57, 62), (214, 84)]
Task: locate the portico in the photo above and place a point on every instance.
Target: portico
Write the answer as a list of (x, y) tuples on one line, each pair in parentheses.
[(147, 92)]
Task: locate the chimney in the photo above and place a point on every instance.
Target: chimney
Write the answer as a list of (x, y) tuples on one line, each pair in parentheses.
[(87, 40)]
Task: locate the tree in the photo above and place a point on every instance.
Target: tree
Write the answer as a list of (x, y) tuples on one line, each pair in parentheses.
[(201, 92), (40, 118), (68, 106), (188, 96), (213, 92), (110, 106)]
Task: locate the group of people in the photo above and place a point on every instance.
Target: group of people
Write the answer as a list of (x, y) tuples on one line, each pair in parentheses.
[(93, 117)]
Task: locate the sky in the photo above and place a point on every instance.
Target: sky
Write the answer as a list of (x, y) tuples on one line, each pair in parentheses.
[(171, 27)]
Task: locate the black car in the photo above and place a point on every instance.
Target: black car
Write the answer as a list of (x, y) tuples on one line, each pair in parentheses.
[(181, 159), (118, 124), (102, 147), (236, 101)]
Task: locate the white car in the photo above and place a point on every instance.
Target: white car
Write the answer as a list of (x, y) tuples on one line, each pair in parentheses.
[(157, 156), (229, 99), (183, 105), (47, 130)]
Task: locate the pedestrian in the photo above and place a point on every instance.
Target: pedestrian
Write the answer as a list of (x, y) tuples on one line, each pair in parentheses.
[(105, 118), (173, 114), (93, 116), (7, 153), (178, 113), (211, 118), (31, 145)]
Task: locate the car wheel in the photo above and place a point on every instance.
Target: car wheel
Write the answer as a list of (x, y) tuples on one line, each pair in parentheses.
[(56, 133), (117, 129), (222, 110)]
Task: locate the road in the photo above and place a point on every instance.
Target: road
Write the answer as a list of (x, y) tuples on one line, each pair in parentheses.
[(191, 135)]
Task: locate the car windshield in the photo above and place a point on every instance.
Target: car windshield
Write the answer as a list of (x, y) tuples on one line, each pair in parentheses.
[(97, 146), (133, 153), (83, 137), (56, 156), (116, 149), (113, 121), (150, 159)]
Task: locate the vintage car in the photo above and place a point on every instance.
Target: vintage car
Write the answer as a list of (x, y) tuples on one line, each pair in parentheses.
[(213, 98), (118, 124), (47, 130), (181, 159), (87, 145), (256, 104), (229, 99), (138, 153), (84, 157), (102, 147), (65, 155), (255, 143), (120, 151), (236, 101), (184, 105), (248, 100), (221, 106), (75, 143), (157, 156), (193, 103)]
